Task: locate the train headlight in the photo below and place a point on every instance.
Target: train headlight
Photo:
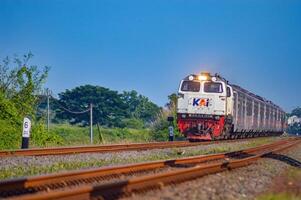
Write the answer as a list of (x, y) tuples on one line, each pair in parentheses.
[(191, 78), (183, 116), (214, 79), (203, 78)]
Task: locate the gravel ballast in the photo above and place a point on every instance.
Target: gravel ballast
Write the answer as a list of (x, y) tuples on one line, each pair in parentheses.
[(243, 183), (33, 165)]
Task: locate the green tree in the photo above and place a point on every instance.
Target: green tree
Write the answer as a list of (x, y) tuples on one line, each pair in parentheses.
[(159, 128), (20, 83), (108, 106), (172, 105), (140, 107), (296, 127), (297, 112)]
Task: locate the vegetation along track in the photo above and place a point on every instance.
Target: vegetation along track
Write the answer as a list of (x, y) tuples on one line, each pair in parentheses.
[(88, 184), (104, 148)]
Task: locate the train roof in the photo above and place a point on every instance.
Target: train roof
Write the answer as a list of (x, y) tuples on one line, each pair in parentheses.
[(236, 87)]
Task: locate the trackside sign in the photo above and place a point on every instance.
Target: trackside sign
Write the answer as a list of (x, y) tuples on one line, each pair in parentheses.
[(26, 127)]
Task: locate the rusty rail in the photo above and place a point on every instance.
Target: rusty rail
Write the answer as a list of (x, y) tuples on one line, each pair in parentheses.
[(52, 182), (105, 148), (96, 148), (120, 188)]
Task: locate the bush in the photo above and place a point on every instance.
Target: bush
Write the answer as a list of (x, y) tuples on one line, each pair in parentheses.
[(10, 136), (76, 135), (159, 129), (133, 123), (71, 135), (124, 135), (41, 138)]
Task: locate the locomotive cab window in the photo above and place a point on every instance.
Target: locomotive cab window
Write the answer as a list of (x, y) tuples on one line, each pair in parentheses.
[(211, 87), (190, 86), (228, 92)]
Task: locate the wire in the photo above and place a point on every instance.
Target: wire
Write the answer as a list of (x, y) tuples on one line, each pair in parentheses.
[(66, 109)]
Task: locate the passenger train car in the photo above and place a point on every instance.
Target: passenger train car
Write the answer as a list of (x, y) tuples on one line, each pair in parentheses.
[(210, 108)]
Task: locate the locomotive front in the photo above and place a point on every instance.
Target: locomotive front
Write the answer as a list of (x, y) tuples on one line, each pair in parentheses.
[(202, 106)]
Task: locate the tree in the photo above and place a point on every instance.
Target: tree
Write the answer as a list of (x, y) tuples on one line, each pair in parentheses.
[(296, 127), (296, 112), (172, 101), (140, 107), (19, 84), (132, 99), (159, 128), (108, 106), (172, 104)]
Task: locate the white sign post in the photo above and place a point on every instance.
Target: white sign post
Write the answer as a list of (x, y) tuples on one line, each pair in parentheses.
[(26, 133)]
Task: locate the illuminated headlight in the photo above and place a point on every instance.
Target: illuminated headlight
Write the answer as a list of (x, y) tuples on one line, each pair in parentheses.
[(213, 79), (202, 78), (217, 117), (183, 115), (190, 78)]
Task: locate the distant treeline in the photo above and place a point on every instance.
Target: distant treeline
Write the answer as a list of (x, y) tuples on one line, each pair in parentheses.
[(296, 127), (21, 95), (110, 108)]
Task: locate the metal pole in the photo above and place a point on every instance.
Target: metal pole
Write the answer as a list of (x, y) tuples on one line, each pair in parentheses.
[(91, 123), (48, 118)]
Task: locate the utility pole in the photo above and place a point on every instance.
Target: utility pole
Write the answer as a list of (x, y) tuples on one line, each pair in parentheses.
[(48, 93), (91, 123)]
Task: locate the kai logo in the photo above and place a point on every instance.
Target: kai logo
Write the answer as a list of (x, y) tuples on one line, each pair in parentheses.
[(200, 102)]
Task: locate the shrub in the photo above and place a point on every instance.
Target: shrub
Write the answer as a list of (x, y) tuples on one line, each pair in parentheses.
[(133, 123), (41, 138), (159, 128), (10, 136)]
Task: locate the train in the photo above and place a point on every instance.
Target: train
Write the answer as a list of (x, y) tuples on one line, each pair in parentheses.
[(210, 108)]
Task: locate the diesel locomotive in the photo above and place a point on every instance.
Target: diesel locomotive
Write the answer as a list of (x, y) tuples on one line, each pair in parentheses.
[(210, 108)]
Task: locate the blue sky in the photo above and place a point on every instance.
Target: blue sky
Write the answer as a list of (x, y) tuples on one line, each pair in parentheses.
[(150, 45)]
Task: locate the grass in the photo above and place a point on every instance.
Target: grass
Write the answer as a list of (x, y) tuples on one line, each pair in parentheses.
[(60, 166), (173, 154), (76, 135), (280, 196), (286, 187), (71, 135)]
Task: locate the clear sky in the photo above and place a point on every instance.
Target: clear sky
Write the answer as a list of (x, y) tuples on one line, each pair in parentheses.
[(149, 45)]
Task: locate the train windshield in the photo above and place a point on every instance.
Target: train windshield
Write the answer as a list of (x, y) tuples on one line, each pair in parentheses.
[(211, 87), (190, 86)]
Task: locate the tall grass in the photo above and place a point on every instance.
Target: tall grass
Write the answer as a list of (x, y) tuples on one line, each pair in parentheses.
[(76, 135)]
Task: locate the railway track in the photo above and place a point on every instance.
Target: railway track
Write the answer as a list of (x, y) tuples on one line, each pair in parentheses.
[(111, 182), (96, 148), (105, 148)]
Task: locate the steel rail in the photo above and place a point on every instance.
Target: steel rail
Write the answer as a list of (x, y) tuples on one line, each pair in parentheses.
[(124, 187), (47, 181), (107, 148), (96, 148)]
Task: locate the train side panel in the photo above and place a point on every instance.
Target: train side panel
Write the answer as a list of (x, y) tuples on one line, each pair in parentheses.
[(251, 114)]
